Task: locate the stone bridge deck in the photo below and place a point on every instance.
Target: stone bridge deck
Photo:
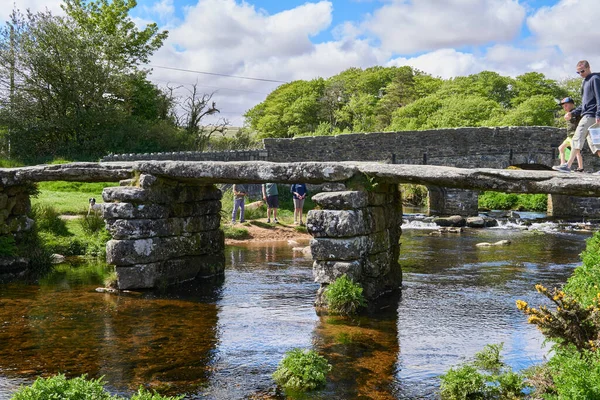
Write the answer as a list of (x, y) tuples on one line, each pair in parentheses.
[(164, 220), (510, 181)]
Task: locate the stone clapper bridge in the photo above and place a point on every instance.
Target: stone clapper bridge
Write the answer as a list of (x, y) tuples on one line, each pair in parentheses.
[(164, 217)]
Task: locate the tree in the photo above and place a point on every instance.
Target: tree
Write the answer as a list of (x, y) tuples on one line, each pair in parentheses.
[(120, 39), (535, 83), (537, 110), (197, 107), (73, 86), (291, 109)]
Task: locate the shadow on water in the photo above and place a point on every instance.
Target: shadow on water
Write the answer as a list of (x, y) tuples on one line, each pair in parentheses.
[(223, 339)]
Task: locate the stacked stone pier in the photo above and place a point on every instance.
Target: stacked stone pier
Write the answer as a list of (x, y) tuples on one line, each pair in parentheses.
[(164, 220), (163, 232), (357, 233)]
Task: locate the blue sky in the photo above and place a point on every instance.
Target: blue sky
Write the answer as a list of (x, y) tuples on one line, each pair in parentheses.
[(288, 40)]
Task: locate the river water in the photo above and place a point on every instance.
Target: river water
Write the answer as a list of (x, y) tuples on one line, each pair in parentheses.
[(224, 339)]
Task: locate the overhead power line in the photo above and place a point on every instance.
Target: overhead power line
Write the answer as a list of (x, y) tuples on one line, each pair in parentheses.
[(215, 74), (207, 86)]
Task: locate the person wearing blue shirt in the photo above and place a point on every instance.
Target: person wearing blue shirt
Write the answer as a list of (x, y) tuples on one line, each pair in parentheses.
[(299, 191), (589, 110)]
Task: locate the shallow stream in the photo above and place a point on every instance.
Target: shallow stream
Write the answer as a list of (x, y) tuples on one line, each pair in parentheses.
[(223, 340)]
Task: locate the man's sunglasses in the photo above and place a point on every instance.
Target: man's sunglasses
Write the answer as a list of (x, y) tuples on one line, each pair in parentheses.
[(581, 71)]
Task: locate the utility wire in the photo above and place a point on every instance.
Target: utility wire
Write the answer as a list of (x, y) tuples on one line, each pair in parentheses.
[(207, 86), (215, 74)]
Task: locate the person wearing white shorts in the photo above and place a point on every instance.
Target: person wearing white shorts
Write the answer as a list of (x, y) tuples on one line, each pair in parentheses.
[(589, 111)]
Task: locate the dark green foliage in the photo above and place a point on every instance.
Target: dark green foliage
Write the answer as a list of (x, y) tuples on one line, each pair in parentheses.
[(302, 370), (512, 201), (8, 246), (80, 388), (584, 284), (344, 296), (31, 246)]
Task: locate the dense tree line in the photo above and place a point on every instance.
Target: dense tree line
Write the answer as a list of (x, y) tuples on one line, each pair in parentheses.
[(403, 98), (72, 87)]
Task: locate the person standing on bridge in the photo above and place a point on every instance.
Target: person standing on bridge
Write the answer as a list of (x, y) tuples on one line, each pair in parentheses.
[(271, 196), (568, 105), (589, 110)]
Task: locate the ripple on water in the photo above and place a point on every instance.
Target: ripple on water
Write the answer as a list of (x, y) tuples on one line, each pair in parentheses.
[(223, 341)]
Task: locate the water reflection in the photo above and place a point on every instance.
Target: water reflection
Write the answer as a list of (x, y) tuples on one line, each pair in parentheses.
[(62, 326), (224, 339)]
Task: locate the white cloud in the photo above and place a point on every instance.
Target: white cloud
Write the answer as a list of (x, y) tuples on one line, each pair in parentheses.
[(445, 63), (163, 10), (232, 38), (572, 25), (33, 5), (407, 27)]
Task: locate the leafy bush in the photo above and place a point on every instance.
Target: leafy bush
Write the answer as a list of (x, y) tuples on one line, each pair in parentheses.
[(80, 388), (511, 201), (65, 245), (571, 323), (464, 382), (302, 370), (487, 377), (584, 284), (344, 296), (575, 375), (59, 386), (573, 372)]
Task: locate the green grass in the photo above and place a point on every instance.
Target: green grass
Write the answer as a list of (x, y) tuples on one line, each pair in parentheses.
[(70, 197), (235, 232)]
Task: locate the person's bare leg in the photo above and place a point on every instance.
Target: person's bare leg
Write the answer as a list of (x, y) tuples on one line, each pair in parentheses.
[(561, 151), (580, 159), (574, 153)]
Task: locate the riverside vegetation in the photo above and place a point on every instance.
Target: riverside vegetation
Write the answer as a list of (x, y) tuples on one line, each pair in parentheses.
[(59, 387), (573, 328)]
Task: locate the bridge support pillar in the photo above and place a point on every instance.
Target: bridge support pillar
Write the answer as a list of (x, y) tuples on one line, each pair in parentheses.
[(357, 233), (450, 201), (15, 225), (163, 232), (562, 206)]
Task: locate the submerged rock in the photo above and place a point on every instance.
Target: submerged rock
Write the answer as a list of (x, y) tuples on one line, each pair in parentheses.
[(498, 243)]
